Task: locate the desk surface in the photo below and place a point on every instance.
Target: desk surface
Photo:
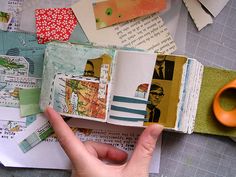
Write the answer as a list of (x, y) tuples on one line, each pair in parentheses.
[(189, 155)]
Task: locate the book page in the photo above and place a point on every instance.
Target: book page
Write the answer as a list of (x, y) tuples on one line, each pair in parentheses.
[(76, 80), (148, 33), (130, 87), (27, 20), (165, 90)]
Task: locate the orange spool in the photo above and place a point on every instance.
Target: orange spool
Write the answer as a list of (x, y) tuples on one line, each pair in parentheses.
[(227, 118)]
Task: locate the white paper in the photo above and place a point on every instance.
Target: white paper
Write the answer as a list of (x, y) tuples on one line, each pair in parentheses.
[(214, 6), (148, 33), (48, 154), (200, 17), (133, 69), (8, 113)]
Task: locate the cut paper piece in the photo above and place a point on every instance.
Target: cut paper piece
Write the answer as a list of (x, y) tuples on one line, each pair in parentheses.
[(5, 19), (54, 24), (36, 137), (111, 12), (129, 100), (214, 6), (200, 17), (124, 109), (29, 101)]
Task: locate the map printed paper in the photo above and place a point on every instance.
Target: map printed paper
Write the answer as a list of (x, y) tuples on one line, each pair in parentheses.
[(22, 44), (74, 96), (80, 91)]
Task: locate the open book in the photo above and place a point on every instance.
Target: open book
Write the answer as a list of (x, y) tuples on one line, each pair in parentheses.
[(124, 87)]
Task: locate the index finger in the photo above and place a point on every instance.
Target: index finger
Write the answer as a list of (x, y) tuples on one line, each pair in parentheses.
[(73, 147)]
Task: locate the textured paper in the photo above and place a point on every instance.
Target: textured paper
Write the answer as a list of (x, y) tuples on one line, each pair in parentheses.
[(54, 24), (29, 101), (213, 80), (200, 17), (111, 12)]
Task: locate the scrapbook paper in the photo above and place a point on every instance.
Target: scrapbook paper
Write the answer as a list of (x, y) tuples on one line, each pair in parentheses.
[(5, 19), (75, 82), (29, 101), (131, 83), (147, 33), (200, 17), (14, 72), (22, 44), (10, 86), (78, 97), (111, 12), (214, 6), (54, 24), (27, 20)]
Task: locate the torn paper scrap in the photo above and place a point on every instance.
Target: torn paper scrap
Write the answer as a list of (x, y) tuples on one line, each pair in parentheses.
[(214, 6), (5, 19), (54, 24), (147, 33), (200, 17), (29, 101), (111, 12)]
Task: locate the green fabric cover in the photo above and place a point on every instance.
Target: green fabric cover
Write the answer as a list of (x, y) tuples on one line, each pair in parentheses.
[(213, 80)]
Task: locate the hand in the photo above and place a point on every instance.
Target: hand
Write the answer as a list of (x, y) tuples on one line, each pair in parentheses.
[(86, 157)]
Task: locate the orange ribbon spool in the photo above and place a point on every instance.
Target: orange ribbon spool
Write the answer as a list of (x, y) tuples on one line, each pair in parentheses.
[(227, 118)]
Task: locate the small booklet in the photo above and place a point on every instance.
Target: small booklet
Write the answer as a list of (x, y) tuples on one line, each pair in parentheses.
[(123, 87)]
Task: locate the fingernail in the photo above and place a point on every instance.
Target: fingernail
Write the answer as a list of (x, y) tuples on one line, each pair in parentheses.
[(46, 111), (156, 131)]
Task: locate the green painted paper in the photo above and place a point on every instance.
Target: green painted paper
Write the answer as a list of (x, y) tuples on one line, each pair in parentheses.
[(213, 80), (29, 101)]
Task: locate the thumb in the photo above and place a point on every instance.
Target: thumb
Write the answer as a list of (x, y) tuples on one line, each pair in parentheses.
[(143, 152)]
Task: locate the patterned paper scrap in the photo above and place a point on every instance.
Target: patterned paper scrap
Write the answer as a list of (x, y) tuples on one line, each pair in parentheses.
[(111, 12), (54, 24)]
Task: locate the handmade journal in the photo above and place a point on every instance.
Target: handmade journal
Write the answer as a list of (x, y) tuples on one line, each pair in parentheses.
[(132, 88)]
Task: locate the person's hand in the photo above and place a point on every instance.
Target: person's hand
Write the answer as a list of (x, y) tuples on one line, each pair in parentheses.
[(87, 157)]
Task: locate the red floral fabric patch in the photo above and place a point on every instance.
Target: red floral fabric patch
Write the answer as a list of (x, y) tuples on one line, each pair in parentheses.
[(54, 24)]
